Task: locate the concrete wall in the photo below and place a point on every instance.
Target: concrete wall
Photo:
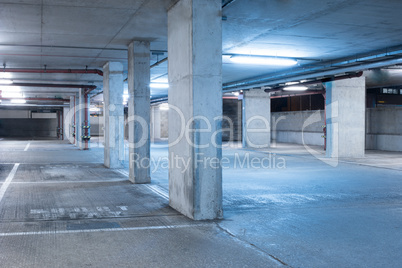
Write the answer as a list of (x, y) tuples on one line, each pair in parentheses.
[(292, 127), (384, 129), (44, 115), (159, 122), (96, 126), (14, 114), (232, 110), (33, 128), (164, 124)]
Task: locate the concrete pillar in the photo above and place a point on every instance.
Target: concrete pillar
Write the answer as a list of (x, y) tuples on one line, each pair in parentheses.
[(256, 119), (71, 121), (77, 119), (345, 116), (139, 111), (86, 125), (80, 119), (113, 90), (66, 124), (195, 138), (156, 123)]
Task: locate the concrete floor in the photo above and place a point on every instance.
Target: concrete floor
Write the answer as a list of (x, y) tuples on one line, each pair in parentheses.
[(61, 208)]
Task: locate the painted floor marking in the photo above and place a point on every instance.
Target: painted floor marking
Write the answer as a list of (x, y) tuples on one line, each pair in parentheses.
[(154, 188), (77, 213), (158, 190), (10, 177), (27, 147), (123, 172), (104, 230)]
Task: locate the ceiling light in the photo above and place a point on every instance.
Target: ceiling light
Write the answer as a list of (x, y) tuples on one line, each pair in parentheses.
[(291, 83), (8, 94), (159, 85), (18, 101), (164, 107), (4, 75), (263, 60), (295, 88), (6, 82), (236, 93), (94, 109)]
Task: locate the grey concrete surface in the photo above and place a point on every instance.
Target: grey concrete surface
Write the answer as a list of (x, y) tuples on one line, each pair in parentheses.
[(345, 116), (113, 89), (289, 127), (64, 209), (71, 211), (256, 119), (307, 213), (383, 128), (17, 127), (195, 94), (139, 107)]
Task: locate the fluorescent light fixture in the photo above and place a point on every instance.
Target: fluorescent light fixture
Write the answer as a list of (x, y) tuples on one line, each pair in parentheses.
[(236, 93), (162, 80), (159, 85), (8, 94), (295, 88), (4, 75), (291, 83), (94, 109), (5, 82), (164, 107), (18, 101), (261, 60)]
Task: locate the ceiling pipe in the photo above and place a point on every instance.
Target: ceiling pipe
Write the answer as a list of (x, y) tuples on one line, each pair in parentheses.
[(323, 80), (228, 3), (92, 87), (159, 62), (53, 71), (87, 88), (297, 95), (304, 74), (37, 99), (50, 106)]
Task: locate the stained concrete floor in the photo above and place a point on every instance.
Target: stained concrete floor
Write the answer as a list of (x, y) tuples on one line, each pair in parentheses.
[(61, 208)]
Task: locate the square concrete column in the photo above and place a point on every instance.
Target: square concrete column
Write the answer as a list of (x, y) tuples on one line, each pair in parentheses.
[(256, 119), (345, 117), (70, 120), (77, 127), (113, 90), (139, 111), (195, 99), (66, 125), (156, 123), (83, 121)]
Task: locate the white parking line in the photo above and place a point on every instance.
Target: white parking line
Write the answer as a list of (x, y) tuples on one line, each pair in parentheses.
[(154, 188), (104, 230), (10, 177), (158, 190), (27, 147)]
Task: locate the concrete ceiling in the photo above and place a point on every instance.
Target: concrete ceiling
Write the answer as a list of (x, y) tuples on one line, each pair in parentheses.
[(78, 33)]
